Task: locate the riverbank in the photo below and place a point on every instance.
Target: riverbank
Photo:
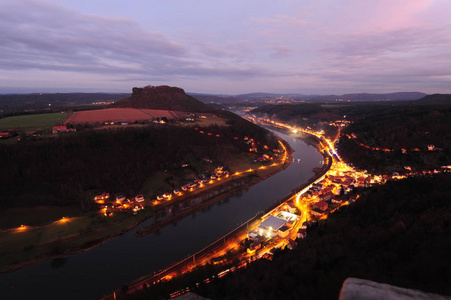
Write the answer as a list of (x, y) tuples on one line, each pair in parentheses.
[(221, 244), (83, 240), (219, 193)]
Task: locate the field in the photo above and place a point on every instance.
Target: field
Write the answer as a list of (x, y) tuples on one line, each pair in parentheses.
[(32, 122), (121, 114), (36, 216)]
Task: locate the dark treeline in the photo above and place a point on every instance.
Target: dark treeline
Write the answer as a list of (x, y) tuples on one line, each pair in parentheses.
[(14, 103), (398, 234), (68, 169), (402, 128)]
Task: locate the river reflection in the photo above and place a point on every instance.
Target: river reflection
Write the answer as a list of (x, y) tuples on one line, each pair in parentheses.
[(96, 272)]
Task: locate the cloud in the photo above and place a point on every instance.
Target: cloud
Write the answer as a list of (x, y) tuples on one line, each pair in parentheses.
[(54, 38), (292, 44)]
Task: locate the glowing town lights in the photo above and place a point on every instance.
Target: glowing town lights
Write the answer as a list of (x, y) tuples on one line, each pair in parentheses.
[(294, 131), (63, 220), (22, 228)]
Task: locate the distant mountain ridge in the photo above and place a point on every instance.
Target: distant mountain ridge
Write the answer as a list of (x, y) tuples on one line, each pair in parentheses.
[(435, 99), (372, 97), (260, 97), (162, 97)]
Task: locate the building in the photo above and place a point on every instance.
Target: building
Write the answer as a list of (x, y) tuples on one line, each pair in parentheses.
[(270, 226), (60, 129), (302, 233), (139, 198), (321, 205), (120, 198), (291, 207), (4, 135), (283, 231), (291, 244), (100, 199)]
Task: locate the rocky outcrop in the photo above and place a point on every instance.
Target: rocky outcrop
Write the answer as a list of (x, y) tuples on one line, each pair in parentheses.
[(162, 97), (360, 289)]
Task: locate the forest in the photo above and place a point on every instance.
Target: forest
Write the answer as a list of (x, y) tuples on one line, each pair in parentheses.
[(407, 133), (70, 169), (398, 233)]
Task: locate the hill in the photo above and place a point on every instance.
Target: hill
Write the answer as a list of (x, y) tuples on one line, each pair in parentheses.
[(408, 136), (162, 97), (435, 99), (371, 97)]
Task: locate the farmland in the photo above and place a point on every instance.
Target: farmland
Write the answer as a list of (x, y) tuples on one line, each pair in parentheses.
[(121, 114), (32, 122)]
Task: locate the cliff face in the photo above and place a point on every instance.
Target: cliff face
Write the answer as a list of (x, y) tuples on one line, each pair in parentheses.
[(162, 97)]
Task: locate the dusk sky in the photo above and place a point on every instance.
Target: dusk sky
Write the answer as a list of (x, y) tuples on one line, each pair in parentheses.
[(229, 47)]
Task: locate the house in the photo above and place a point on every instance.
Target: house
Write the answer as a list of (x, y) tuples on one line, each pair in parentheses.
[(327, 196), (348, 182), (302, 233), (322, 205), (60, 129), (283, 231), (120, 198), (291, 207), (291, 244), (4, 135), (100, 199), (254, 246), (139, 198)]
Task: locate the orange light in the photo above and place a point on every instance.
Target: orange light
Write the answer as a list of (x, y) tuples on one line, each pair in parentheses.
[(63, 220), (22, 228)]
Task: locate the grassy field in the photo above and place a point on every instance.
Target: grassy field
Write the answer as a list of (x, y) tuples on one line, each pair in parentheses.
[(66, 234), (32, 122), (35, 216)]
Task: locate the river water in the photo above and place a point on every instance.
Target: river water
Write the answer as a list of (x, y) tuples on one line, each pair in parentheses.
[(99, 271)]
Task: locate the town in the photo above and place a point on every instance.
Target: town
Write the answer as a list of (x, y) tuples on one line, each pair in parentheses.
[(286, 224)]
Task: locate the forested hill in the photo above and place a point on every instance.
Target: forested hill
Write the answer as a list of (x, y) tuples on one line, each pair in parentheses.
[(399, 234), (435, 99), (65, 170), (163, 97)]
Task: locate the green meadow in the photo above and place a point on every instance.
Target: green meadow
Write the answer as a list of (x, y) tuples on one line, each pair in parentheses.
[(32, 122)]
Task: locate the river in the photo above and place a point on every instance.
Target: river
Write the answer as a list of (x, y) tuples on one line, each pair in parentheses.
[(99, 271)]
